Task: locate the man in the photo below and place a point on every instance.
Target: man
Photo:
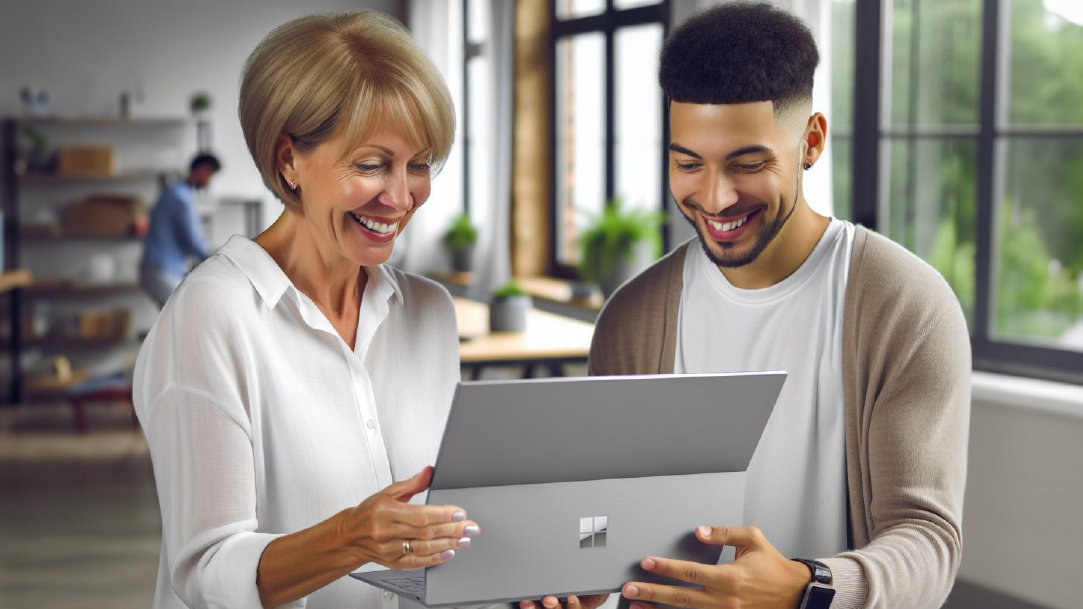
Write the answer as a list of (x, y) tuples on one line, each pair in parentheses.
[(174, 235), (862, 465)]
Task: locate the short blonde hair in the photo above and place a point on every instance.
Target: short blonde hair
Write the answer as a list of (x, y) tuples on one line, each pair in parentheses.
[(354, 72)]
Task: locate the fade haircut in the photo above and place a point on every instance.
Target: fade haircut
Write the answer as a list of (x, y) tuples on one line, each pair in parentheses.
[(737, 53)]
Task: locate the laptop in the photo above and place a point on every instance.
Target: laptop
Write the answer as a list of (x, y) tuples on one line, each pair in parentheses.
[(574, 480)]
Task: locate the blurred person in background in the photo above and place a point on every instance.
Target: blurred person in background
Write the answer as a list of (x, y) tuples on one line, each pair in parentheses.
[(174, 238)]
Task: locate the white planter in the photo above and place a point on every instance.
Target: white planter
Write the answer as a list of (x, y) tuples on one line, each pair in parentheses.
[(508, 314)]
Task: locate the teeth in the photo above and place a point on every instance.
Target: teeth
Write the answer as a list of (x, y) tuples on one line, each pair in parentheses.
[(376, 227), (727, 226)]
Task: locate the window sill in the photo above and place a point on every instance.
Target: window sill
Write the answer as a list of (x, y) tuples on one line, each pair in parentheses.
[(1048, 397)]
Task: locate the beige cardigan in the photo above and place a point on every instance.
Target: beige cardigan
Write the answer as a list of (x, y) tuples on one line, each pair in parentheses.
[(906, 386)]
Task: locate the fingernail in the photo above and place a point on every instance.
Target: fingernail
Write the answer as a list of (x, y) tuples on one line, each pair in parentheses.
[(649, 563), (550, 604), (704, 531), (464, 542), (526, 605), (458, 516), (632, 591), (471, 530), (447, 554)]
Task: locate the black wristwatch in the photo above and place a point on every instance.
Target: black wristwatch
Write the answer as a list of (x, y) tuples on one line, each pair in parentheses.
[(818, 592)]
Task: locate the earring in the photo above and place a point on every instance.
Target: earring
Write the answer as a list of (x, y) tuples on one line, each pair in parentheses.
[(808, 166), (291, 184)]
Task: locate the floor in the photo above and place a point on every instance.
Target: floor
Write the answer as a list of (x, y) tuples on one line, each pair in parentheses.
[(79, 521)]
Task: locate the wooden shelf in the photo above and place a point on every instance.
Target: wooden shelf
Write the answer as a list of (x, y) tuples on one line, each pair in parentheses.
[(39, 237), (123, 176), (66, 287), (17, 278), (102, 121)]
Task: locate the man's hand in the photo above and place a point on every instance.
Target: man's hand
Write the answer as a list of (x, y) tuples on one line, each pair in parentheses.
[(759, 577)]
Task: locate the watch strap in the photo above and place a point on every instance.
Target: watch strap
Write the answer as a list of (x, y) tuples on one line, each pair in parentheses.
[(820, 573)]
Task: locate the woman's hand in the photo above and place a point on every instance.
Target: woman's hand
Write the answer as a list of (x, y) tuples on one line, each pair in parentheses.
[(385, 529), (587, 601)]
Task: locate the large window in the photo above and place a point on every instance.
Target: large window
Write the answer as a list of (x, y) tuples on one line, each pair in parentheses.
[(609, 121), (970, 153)]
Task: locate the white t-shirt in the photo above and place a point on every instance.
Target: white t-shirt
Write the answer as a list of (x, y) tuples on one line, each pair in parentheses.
[(262, 421), (796, 489)]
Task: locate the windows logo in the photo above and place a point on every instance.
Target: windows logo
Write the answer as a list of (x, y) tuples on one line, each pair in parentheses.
[(592, 530)]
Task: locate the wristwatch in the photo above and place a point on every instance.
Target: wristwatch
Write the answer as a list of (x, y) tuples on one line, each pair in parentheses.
[(818, 592)]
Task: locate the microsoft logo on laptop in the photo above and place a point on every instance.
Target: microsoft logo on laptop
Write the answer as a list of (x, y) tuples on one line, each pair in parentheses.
[(592, 531)]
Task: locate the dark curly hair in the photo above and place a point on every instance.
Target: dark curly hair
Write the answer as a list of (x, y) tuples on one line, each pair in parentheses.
[(739, 52)]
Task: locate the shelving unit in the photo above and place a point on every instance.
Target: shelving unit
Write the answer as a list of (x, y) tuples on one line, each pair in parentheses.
[(144, 151)]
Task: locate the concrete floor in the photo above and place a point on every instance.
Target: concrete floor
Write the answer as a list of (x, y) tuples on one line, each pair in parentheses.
[(79, 520)]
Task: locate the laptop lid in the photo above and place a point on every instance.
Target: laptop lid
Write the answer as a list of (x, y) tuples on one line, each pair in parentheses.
[(574, 480)]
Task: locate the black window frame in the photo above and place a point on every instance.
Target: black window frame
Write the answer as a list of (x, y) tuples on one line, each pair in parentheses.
[(869, 175), (606, 22)]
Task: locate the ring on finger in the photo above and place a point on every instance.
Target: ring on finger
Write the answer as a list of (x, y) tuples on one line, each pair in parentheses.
[(406, 547)]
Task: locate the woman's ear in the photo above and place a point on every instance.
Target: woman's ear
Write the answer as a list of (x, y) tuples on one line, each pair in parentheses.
[(284, 158)]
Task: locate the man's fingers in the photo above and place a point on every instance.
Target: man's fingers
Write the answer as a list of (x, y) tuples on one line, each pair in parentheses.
[(676, 596), (744, 537), (685, 571)]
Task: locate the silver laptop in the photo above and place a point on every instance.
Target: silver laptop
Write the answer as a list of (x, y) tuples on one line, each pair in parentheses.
[(574, 480)]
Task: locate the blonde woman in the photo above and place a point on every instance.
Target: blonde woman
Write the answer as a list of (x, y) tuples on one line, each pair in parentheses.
[(294, 388)]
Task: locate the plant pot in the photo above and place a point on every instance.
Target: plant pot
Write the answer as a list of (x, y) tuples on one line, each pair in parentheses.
[(508, 314), (462, 259), (624, 269)]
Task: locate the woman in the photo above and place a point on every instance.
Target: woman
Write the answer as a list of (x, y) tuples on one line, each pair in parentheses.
[(291, 377)]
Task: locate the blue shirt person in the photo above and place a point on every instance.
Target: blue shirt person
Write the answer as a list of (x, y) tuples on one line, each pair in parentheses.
[(174, 234)]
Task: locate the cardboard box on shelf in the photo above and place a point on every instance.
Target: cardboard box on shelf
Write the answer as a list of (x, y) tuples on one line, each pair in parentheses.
[(85, 161), (105, 324), (106, 215)]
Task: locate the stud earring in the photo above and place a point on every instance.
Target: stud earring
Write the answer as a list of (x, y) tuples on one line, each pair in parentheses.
[(808, 166), (291, 184)]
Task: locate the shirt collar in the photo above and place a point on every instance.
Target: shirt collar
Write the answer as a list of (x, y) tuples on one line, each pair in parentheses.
[(270, 282)]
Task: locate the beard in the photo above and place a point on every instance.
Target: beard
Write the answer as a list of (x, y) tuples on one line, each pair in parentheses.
[(729, 257)]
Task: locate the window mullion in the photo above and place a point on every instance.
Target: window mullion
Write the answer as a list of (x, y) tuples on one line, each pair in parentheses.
[(987, 159)]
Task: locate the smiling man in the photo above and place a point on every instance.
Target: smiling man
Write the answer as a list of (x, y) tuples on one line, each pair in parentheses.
[(854, 496)]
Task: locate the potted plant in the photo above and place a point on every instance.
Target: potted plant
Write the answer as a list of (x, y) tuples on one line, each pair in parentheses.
[(200, 103), (508, 307), (459, 240), (615, 241)]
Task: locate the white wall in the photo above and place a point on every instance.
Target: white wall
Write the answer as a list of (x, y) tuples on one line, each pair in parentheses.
[(1023, 517), (86, 53)]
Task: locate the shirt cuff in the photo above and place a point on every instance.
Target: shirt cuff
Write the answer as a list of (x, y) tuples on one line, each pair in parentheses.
[(848, 579), (232, 572)]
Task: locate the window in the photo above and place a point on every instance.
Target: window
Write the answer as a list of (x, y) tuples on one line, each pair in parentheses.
[(609, 118), (476, 99), (970, 153)]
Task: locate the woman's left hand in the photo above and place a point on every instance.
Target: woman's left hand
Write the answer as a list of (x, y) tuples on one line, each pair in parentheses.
[(586, 601)]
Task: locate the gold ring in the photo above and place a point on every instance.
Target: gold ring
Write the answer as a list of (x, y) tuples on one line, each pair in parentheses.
[(405, 547)]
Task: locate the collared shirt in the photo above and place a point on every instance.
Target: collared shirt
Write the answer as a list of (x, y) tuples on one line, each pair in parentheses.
[(262, 421), (174, 234), (796, 326)]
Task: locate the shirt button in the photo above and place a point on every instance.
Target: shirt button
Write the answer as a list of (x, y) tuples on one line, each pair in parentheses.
[(371, 425), (388, 595)]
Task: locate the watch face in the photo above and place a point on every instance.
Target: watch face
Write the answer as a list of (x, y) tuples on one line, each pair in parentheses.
[(817, 597)]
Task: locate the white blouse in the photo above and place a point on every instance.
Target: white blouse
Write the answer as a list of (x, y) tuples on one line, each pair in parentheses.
[(261, 421)]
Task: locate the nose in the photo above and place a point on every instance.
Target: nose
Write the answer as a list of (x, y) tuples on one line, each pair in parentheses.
[(721, 192), (396, 193)]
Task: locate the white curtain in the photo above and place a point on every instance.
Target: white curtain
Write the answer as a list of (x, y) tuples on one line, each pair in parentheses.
[(436, 26), (492, 257), (817, 14)]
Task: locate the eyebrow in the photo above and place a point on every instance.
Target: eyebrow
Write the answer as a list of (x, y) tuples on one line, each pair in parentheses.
[(732, 155)]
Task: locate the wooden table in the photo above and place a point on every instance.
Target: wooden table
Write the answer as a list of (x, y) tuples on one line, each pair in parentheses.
[(549, 340)]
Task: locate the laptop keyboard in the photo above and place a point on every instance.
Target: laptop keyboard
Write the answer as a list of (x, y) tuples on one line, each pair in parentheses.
[(410, 583)]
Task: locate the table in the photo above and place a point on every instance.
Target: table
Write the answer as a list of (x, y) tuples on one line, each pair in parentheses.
[(549, 340)]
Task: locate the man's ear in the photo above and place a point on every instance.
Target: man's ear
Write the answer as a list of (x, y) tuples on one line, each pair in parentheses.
[(814, 137)]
